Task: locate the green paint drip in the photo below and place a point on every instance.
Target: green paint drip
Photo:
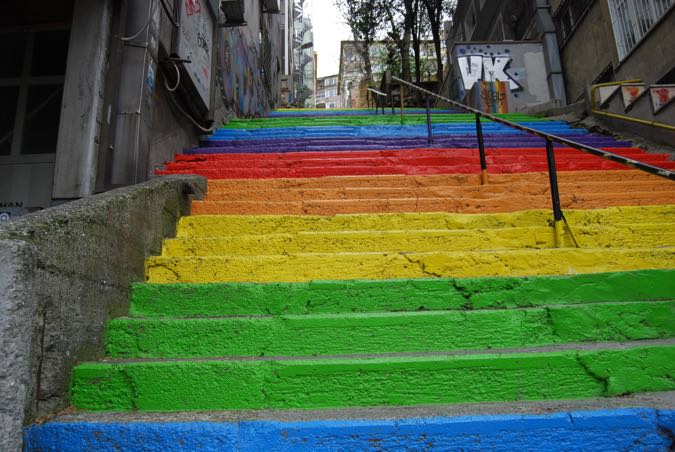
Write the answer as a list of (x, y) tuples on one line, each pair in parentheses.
[(218, 385), (343, 334), (204, 300)]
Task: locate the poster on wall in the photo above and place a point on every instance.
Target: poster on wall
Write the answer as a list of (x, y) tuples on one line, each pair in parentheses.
[(196, 45), (661, 95), (631, 92)]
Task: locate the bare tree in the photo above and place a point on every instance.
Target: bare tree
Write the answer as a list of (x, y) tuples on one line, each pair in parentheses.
[(435, 11)]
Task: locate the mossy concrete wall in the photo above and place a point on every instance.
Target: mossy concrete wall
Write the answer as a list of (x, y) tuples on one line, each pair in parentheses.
[(65, 272)]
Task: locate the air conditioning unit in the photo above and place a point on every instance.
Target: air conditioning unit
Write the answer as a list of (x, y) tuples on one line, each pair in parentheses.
[(234, 12)]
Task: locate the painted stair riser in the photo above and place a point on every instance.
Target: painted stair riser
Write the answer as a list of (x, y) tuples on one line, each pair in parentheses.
[(460, 180), (403, 295), (483, 191), (371, 121), (223, 384), (412, 130), (338, 170), (344, 266), (344, 334), (338, 144), (422, 155), (217, 225), (250, 161), (633, 236), (468, 205), (635, 429)]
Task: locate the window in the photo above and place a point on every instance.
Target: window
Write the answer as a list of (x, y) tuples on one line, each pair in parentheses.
[(632, 19), (330, 92), (31, 88), (568, 16)]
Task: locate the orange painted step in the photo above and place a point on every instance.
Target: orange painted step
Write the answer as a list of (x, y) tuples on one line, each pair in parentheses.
[(504, 193)]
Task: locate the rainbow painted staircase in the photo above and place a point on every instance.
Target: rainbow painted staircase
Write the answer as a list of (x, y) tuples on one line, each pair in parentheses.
[(345, 286)]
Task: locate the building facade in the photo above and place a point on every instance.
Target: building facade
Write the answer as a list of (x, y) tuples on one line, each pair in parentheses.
[(97, 95), (593, 40), (327, 92)]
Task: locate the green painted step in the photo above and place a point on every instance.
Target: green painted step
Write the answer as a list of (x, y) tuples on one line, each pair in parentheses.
[(375, 333), (350, 382), (409, 119), (223, 299)]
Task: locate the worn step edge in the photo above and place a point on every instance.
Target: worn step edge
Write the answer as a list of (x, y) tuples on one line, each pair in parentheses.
[(218, 299), (298, 267), (209, 225), (324, 383), (337, 334)]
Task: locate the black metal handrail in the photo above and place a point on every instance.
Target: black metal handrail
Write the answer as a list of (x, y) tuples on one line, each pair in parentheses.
[(646, 167), (558, 215)]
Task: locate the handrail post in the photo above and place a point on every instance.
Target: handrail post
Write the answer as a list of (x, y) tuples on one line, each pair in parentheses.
[(400, 94), (481, 152), (430, 137), (555, 195)]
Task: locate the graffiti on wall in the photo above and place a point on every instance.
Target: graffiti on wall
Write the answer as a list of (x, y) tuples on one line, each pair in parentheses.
[(246, 71), (520, 65), (477, 68), (661, 95)]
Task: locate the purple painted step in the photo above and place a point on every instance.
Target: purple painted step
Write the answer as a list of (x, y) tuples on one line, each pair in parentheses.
[(345, 144)]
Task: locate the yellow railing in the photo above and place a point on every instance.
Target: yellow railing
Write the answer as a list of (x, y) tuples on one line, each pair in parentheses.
[(645, 122)]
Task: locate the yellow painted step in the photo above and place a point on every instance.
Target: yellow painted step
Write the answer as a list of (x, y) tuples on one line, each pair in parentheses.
[(219, 225), (341, 266), (425, 240)]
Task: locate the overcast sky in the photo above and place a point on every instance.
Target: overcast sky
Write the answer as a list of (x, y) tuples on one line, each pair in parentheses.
[(329, 30)]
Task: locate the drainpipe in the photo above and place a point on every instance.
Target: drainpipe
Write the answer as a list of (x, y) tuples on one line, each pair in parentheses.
[(554, 72)]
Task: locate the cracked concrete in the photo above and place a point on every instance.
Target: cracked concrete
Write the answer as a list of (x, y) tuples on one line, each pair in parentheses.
[(66, 271)]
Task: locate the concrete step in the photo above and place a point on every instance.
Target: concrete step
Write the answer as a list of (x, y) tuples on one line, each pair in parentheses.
[(379, 333), (563, 372), (410, 157), (330, 144), (421, 240), (400, 295), (298, 267), (384, 169), (464, 180), (401, 154), (640, 422), (439, 191), (218, 225), (505, 203)]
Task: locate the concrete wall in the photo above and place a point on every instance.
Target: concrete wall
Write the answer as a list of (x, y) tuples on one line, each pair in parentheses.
[(591, 48), (654, 57), (520, 64), (588, 51), (66, 271), (249, 69)]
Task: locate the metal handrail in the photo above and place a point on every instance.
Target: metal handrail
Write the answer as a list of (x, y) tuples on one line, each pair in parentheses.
[(558, 215), (644, 122), (378, 94), (549, 137)]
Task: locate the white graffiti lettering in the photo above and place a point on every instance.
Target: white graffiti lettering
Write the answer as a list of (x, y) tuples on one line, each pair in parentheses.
[(471, 69), (475, 68)]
